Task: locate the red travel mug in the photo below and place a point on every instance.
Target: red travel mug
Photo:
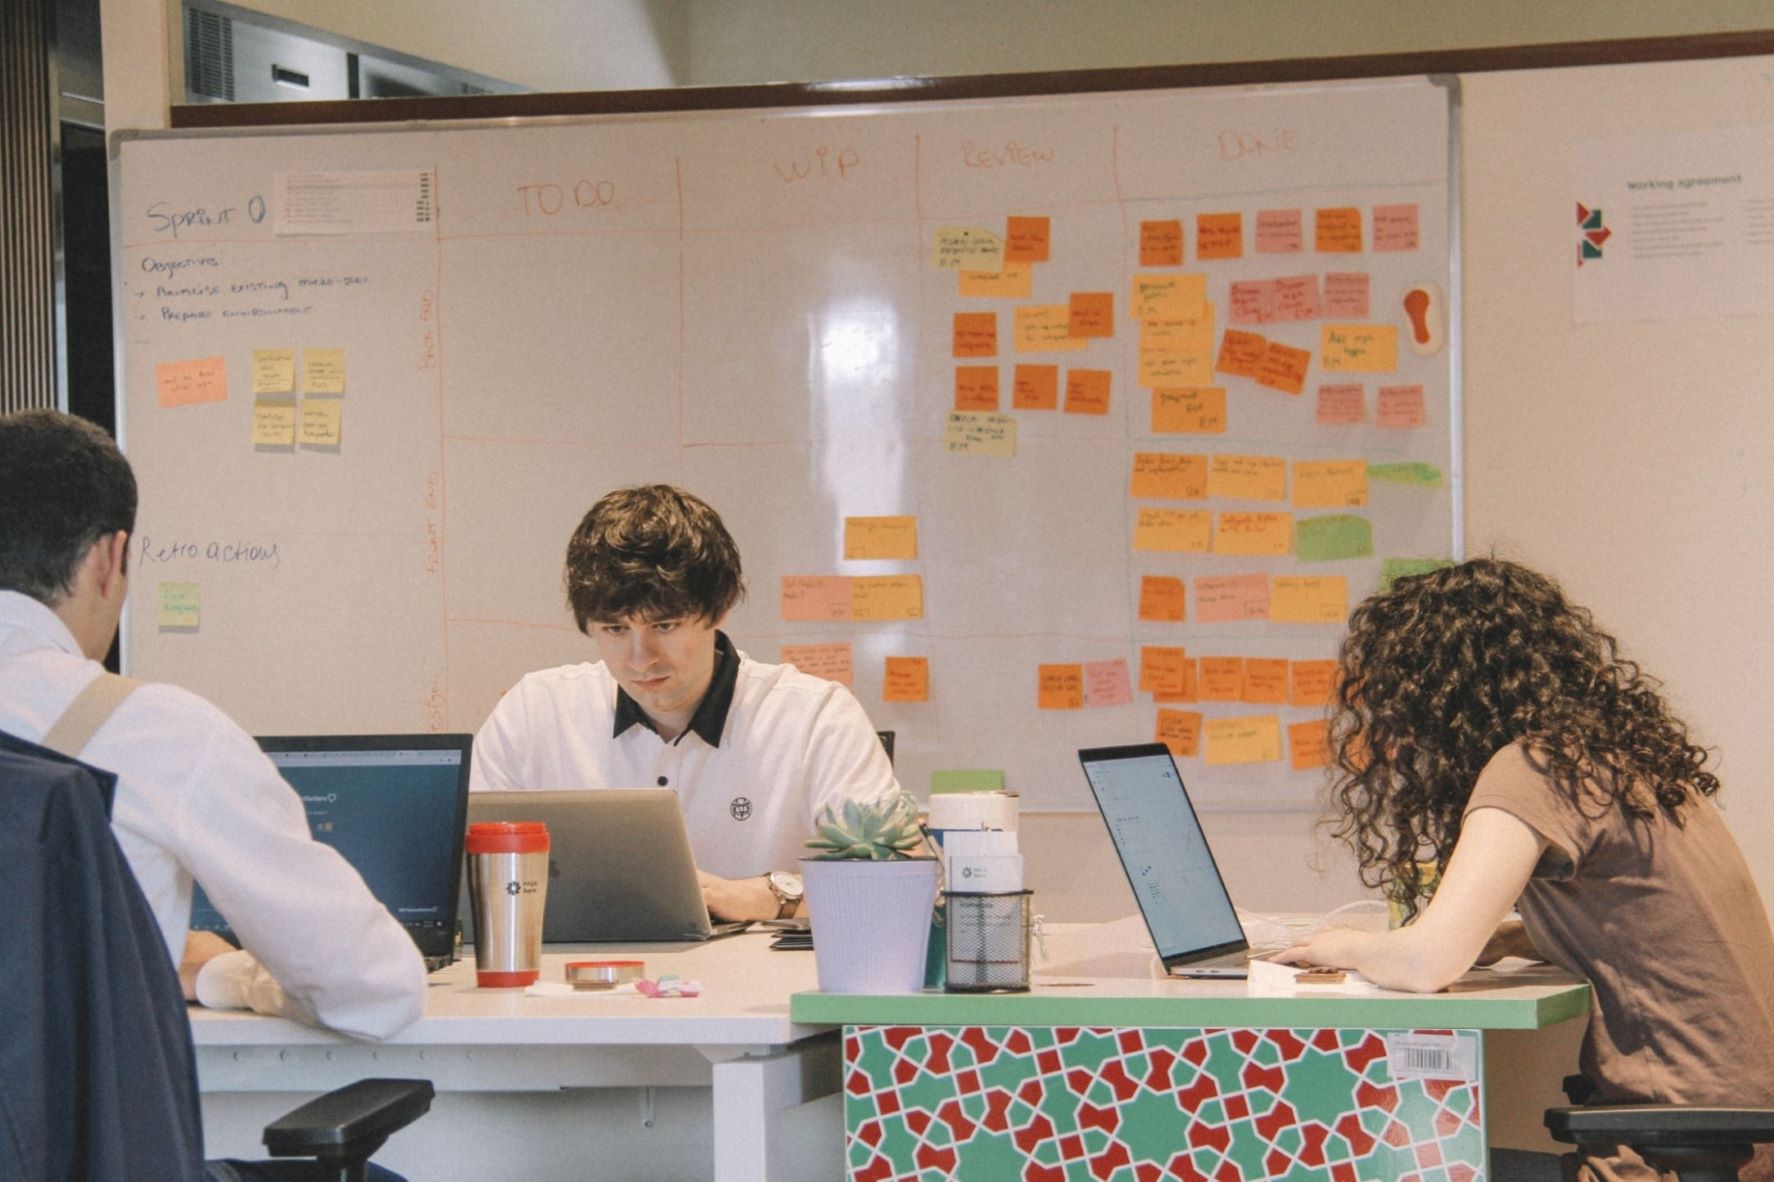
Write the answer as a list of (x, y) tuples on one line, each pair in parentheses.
[(508, 889)]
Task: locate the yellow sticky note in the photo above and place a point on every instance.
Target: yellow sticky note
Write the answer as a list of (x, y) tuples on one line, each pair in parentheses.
[(880, 537), (187, 383), (180, 608), (1168, 476), (323, 371), (1059, 687), (274, 423), (968, 248), (1014, 282), (981, 434), (1254, 535), (887, 597), (1178, 531), (907, 680), (1045, 328), (822, 598), (1248, 478), (1161, 366), (1190, 410), (830, 661), (1330, 484), (1254, 739), (1168, 297), (1358, 348), (1308, 599), (274, 371), (320, 424)]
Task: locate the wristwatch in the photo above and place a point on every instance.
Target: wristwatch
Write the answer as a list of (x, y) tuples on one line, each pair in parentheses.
[(787, 889)]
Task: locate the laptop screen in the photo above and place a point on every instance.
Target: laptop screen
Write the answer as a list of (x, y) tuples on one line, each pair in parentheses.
[(1164, 852), (394, 807)]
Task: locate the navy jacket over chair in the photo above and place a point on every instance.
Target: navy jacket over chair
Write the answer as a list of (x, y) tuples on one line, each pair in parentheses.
[(97, 1076)]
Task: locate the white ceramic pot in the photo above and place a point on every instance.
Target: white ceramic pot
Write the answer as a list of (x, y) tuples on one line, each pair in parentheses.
[(871, 922)]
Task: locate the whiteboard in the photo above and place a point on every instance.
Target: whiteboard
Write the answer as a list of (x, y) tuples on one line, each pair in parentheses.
[(750, 304)]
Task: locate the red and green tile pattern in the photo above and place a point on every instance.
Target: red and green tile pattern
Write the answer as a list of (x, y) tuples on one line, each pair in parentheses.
[(1141, 1105)]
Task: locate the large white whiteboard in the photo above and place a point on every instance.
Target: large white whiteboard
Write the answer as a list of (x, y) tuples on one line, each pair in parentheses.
[(746, 304)]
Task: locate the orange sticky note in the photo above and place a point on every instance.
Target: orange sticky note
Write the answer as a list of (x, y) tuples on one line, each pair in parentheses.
[(1161, 668), (187, 383), (1255, 535), (1309, 599), (907, 680), (1221, 599), (815, 597), (880, 537), (1265, 681), (1161, 243), (1045, 328), (1014, 282), (1168, 298), (1222, 679), (1168, 476), (1341, 405), (887, 597), (1308, 745), (976, 334), (1191, 410), (1087, 392), (1358, 348), (1241, 353), (1091, 314), (1247, 478), (1036, 387), (1219, 235), (1026, 239), (1400, 406), (1180, 730), (830, 661), (1177, 531), (976, 387), (1060, 687), (1284, 368), (1338, 231), (1191, 691), (1161, 598), (1243, 740), (1312, 683), (1172, 367), (1330, 484), (1279, 232)]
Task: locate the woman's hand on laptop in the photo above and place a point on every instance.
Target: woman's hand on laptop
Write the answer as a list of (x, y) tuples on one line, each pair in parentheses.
[(730, 899)]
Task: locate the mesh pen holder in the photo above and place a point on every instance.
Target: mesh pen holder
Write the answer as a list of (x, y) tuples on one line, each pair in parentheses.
[(988, 941)]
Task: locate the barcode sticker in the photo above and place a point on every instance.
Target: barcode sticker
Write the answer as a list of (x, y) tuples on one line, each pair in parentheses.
[(1412, 1055)]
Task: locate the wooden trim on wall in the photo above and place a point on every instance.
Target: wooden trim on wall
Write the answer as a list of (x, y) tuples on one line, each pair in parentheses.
[(912, 89)]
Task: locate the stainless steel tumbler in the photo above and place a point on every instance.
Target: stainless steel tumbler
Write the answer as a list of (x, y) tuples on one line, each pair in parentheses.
[(508, 889)]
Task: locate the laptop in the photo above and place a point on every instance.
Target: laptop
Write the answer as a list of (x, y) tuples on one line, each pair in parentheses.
[(394, 807), (1174, 877), (620, 868)]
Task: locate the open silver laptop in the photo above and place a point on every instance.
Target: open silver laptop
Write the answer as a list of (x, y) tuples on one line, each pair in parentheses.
[(620, 867), (1174, 877)]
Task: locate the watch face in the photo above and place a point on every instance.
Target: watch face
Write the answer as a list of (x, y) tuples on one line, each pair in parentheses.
[(786, 886)]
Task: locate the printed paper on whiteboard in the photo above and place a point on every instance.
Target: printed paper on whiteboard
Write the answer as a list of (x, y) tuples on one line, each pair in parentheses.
[(332, 203)]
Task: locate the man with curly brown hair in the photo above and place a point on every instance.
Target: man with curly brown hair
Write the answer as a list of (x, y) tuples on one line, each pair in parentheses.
[(1487, 726)]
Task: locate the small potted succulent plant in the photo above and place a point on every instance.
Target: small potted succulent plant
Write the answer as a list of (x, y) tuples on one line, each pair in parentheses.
[(870, 893)]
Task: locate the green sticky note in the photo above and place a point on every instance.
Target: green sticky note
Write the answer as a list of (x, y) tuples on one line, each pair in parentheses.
[(180, 608), (967, 780), (1337, 535), (1424, 475), (1392, 569)]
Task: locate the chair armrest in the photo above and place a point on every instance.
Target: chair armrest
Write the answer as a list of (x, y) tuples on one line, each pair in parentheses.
[(1660, 1124), (350, 1122)]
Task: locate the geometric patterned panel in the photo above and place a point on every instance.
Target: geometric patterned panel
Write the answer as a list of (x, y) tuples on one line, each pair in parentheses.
[(1045, 1104)]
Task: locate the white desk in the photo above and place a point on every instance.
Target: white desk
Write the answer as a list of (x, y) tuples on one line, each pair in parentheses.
[(524, 1082)]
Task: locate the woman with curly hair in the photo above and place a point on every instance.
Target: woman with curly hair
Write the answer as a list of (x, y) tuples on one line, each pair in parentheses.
[(1486, 727)]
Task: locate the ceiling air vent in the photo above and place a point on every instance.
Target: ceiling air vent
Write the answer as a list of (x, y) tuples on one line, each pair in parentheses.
[(209, 55)]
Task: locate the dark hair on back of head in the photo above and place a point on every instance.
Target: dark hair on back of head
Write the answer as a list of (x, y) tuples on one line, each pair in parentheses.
[(63, 486), (652, 553), (1446, 669)]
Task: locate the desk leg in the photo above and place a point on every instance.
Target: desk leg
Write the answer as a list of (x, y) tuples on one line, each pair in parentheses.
[(755, 1095)]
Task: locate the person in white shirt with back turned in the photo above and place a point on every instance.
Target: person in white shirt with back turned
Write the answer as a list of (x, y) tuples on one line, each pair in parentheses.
[(195, 797), (754, 751)]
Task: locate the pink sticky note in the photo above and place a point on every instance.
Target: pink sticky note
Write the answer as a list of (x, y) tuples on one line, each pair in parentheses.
[(1342, 404), (1400, 406), (1296, 298), (1278, 231), (1253, 301), (1106, 683), (1395, 227), (816, 597), (1345, 295), (1225, 598)]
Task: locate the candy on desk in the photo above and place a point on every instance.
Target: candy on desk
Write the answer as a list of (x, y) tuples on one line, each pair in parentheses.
[(668, 985)]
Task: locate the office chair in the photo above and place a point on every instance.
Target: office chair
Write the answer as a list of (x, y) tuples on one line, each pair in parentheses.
[(98, 1075), (886, 738), (1697, 1144)]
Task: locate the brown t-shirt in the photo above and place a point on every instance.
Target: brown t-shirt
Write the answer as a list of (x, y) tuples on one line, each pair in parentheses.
[(1660, 914)]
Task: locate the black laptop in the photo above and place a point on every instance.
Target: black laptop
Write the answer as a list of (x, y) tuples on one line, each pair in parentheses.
[(395, 807), (1174, 877)]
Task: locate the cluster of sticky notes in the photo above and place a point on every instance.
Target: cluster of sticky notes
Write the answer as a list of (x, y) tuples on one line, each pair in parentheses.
[(1243, 739), (1266, 362), (1293, 298), (1089, 684), (1335, 230), (1317, 484), (903, 679), (278, 420), (1242, 534), (1170, 674), (1225, 599), (862, 599), (852, 598), (1345, 404)]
